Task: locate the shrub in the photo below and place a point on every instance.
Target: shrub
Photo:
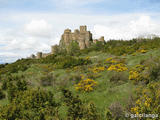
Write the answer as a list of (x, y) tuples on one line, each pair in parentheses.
[(118, 67), (116, 110), (2, 95), (68, 62), (75, 78), (47, 80), (148, 100), (73, 48), (77, 109), (86, 85), (138, 74), (119, 77), (35, 104)]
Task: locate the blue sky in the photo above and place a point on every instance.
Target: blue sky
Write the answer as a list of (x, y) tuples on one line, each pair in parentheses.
[(29, 26), (74, 6)]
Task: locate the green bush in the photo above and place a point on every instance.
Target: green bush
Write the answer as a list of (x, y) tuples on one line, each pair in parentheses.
[(119, 77), (35, 104), (77, 110), (2, 95), (47, 80), (68, 62), (116, 110)]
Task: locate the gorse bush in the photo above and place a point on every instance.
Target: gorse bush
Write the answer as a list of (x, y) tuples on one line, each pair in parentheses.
[(47, 80), (86, 85), (148, 100), (77, 109), (116, 110), (2, 95), (68, 61), (32, 104), (19, 65), (120, 47)]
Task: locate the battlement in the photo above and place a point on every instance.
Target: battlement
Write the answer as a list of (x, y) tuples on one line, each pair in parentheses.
[(67, 31), (76, 31), (83, 29)]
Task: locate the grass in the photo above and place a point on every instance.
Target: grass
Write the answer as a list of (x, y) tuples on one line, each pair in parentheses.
[(106, 92)]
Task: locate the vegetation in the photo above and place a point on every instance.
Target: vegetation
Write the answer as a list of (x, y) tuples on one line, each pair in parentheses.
[(103, 82)]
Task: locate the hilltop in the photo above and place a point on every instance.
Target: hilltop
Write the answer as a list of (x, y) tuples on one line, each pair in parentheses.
[(106, 80), (79, 39)]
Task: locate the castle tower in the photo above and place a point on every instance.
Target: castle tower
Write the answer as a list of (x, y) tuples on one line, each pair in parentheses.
[(88, 39), (33, 56), (83, 29), (101, 39), (39, 55), (81, 42), (54, 49), (67, 36)]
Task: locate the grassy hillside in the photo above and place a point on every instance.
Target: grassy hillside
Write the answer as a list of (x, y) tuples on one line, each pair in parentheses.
[(102, 82)]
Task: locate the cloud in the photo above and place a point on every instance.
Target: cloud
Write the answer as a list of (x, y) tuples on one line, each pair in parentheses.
[(38, 28), (143, 26)]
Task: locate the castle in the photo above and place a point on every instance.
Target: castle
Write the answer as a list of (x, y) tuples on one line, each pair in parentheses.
[(81, 36)]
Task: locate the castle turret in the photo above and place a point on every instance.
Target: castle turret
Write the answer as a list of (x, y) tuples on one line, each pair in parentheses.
[(101, 39), (33, 56), (83, 29), (54, 49), (39, 55)]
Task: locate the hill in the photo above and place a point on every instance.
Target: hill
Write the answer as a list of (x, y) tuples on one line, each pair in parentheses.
[(116, 80)]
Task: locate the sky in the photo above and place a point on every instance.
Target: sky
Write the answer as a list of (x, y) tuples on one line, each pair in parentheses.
[(30, 26)]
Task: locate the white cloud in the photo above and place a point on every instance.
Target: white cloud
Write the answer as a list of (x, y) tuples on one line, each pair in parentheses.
[(39, 28), (126, 30)]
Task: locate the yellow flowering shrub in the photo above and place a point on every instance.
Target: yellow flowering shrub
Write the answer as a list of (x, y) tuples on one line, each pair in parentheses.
[(111, 60), (116, 64), (142, 51), (97, 69), (115, 60), (148, 101), (86, 85), (118, 67), (138, 73)]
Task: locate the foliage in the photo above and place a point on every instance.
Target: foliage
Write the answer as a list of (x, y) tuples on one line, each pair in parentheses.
[(148, 100), (73, 48), (116, 110), (97, 69), (77, 109), (118, 67), (2, 95), (119, 77), (68, 62), (19, 65), (47, 79), (32, 104), (121, 47), (138, 74), (86, 85)]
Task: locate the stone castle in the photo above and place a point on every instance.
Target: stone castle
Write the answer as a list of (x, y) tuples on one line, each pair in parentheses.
[(81, 36)]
